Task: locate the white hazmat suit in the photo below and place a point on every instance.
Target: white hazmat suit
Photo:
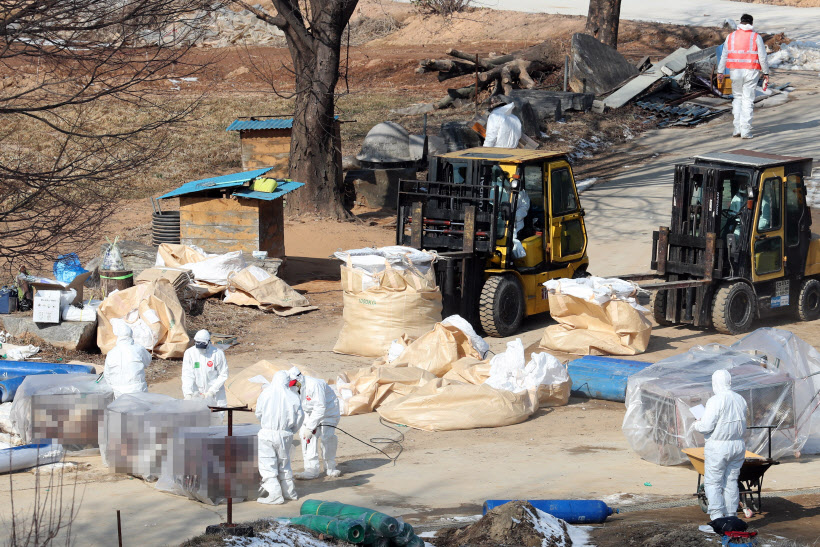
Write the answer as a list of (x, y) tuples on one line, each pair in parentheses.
[(503, 128), (723, 424), (318, 433), (752, 51), (125, 363), (204, 371), (280, 414)]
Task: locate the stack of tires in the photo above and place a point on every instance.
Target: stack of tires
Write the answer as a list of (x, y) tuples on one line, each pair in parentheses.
[(165, 228)]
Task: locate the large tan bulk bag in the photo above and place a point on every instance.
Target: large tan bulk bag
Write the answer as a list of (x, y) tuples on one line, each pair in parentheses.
[(242, 391), (253, 286), (365, 389), (588, 328), (444, 405), (153, 312), (437, 350), (469, 370), (381, 308)]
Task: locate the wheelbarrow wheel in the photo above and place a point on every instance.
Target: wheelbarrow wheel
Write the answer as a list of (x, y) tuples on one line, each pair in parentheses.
[(749, 501), (702, 501)]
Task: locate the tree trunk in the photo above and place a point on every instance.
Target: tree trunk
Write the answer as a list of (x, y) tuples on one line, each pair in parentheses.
[(602, 21), (315, 154)]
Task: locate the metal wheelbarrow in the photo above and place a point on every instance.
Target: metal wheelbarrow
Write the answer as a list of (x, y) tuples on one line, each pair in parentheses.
[(750, 481)]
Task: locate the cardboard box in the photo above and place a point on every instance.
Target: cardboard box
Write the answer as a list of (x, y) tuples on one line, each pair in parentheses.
[(47, 306), (47, 298)]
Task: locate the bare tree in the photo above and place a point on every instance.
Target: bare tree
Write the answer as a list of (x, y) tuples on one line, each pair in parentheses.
[(602, 21), (314, 30), (84, 103)]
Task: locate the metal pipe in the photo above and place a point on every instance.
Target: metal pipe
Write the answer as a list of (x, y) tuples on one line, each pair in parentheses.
[(119, 528)]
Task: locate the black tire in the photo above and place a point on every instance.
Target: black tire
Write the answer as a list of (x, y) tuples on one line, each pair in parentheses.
[(657, 303), (808, 301), (733, 309), (501, 306)]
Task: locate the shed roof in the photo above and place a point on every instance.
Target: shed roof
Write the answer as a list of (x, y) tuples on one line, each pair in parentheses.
[(255, 125), (238, 181)]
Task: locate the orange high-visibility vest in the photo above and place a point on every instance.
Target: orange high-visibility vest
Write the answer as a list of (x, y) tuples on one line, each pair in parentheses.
[(742, 50)]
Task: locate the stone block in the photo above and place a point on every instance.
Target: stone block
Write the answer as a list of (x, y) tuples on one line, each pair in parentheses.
[(71, 335)]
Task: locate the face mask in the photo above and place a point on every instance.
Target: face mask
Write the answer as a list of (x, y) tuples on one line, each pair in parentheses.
[(201, 345)]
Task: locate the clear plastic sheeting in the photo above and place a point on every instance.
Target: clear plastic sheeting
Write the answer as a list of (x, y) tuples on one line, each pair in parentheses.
[(68, 408), (596, 289), (139, 428), (770, 368), (196, 465)]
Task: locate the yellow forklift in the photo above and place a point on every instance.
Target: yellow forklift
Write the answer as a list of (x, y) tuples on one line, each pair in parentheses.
[(503, 221), (739, 245)]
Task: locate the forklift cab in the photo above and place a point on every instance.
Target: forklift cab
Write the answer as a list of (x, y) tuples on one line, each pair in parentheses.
[(503, 221), (739, 245)]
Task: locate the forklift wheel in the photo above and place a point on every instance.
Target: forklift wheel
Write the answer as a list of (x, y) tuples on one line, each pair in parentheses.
[(808, 302), (501, 307), (657, 303), (733, 308)]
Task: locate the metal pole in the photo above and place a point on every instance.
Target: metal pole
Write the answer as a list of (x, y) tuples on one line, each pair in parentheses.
[(119, 528), (566, 71), (476, 84), (228, 467)]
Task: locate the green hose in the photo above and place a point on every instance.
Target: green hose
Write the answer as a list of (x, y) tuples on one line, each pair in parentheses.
[(346, 529), (381, 524)]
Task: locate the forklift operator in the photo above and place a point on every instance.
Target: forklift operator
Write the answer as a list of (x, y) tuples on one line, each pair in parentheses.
[(731, 216)]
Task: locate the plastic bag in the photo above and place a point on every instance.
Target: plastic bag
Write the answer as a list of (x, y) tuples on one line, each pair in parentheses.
[(112, 258), (67, 267)]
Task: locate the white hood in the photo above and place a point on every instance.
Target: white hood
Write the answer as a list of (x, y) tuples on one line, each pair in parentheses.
[(721, 381)]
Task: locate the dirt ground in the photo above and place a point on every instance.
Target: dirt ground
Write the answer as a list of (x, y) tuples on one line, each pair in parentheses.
[(794, 3)]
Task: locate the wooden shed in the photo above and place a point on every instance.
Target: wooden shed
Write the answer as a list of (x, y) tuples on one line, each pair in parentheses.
[(264, 141), (223, 214)]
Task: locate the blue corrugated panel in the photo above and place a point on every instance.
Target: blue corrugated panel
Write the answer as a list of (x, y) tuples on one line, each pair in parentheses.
[(282, 189), (602, 377), (225, 181), (254, 125)]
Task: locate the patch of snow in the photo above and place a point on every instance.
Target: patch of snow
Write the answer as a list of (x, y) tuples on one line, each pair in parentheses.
[(281, 535), (798, 55), (624, 498), (585, 184), (429, 534), (190, 79)]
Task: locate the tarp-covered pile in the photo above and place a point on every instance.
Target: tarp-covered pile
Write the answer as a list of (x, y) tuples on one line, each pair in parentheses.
[(68, 408), (388, 292), (439, 382), (209, 270), (596, 316), (196, 464), (155, 316), (770, 368), (139, 427)]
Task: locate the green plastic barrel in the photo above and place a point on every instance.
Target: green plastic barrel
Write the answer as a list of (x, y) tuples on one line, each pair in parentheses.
[(381, 524), (346, 529)]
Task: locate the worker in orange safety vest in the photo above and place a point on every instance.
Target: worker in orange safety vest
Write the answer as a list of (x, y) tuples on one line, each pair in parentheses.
[(744, 54)]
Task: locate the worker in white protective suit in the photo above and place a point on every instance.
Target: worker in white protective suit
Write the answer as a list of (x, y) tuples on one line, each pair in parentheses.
[(723, 424), (204, 371), (125, 363), (503, 127), (318, 433), (280, 414), (744, 54)]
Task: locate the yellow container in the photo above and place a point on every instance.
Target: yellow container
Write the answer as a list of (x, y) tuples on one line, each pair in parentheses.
[(534, 247), (726, 86), (263, 184)]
